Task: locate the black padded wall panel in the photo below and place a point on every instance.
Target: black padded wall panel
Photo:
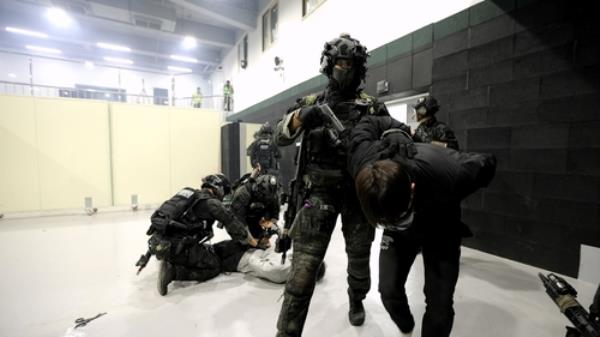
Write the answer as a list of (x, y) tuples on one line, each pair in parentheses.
[(230, 150)]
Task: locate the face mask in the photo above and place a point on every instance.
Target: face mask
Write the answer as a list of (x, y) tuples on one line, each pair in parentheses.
[(344, 77)]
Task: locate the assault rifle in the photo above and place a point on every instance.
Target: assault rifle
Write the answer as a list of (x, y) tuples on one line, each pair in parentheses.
[(563, 294), (332, 123), (294, 203)]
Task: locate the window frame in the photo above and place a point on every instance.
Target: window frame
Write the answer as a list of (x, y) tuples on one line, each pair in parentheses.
[(243, 52), (270, 32)]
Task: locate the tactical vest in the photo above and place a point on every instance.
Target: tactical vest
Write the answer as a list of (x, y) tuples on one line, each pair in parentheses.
[(172, 210), (263, 153), (322, 150)]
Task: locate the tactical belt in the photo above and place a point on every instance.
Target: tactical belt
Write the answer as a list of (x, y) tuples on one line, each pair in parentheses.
[(318, 177)]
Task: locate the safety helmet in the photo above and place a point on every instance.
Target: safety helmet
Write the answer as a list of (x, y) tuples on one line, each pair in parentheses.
[(344, 47), (219, 183), (429, 103)]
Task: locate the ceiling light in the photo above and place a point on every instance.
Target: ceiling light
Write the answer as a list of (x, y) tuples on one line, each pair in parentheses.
[(58, 17), (89, 64), (26, 32), (184, 58), (44, 49), (12, 75), (180, 69), (189, 42), (118, 60), (113, 46)]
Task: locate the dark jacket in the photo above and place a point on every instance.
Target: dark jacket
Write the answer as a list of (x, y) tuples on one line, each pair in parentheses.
[(443, 177)]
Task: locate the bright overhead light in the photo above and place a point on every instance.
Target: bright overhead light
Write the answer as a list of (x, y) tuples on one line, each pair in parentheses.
[(59, 17), (89, 64), (118, 60), (113, 46), (12, 75), (184, 58), (189, 42), (180, 69), (26, 32), (44, 49)]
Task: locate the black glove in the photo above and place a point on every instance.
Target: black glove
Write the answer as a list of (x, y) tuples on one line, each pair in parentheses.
[(397, 142), (311, 116)]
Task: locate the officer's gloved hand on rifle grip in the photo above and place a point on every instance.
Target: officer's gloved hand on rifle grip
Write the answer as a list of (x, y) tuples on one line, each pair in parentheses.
[(310, 116)]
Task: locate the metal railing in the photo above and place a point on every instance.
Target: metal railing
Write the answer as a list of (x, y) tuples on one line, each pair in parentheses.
[(116, 95)]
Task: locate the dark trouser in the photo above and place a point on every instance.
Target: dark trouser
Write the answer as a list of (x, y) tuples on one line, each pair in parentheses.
[(441, 257), (311, 233), (227, 103), (196, 263)]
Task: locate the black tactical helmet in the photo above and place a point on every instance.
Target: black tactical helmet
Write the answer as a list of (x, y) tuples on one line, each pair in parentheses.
[(344, 47), (266, 186), (429, 103), (265, 129), (219, 183)]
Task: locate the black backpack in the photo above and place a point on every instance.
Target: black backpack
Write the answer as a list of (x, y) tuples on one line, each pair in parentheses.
[(172, 210)]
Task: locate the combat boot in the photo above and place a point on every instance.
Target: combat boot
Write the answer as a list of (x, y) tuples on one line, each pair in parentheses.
[(166, 274), (356, 315)]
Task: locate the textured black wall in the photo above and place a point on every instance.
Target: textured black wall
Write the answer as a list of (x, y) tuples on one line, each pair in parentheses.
[(520, 79), (525, 85)]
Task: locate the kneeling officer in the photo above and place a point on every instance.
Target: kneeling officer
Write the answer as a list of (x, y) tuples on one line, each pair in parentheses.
[(182, 224)]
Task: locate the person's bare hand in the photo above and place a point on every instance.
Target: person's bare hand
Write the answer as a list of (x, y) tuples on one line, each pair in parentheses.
[(252, 242)]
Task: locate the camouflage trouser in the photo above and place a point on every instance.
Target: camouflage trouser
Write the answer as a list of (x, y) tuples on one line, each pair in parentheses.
[(311, 233)]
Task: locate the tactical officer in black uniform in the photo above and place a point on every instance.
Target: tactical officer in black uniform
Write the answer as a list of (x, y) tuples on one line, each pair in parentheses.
[(327, 188), (263, 152), (430, 130), (182, 224)]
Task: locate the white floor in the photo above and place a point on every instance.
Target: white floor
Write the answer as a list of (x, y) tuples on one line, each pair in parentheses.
[(56, 269)]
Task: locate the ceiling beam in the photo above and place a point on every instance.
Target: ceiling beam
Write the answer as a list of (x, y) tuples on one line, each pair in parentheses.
[(209, 35), (231, 15)]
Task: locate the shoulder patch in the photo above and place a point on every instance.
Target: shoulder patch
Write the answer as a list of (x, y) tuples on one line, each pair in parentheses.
[(310, 99), (366, 97)]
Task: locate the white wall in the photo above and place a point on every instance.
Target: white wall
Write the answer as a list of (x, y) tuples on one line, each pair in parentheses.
[(300, 40), (60, 73), (58, 151)]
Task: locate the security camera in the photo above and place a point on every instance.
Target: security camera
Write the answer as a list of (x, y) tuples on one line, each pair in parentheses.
[(278, 64)]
